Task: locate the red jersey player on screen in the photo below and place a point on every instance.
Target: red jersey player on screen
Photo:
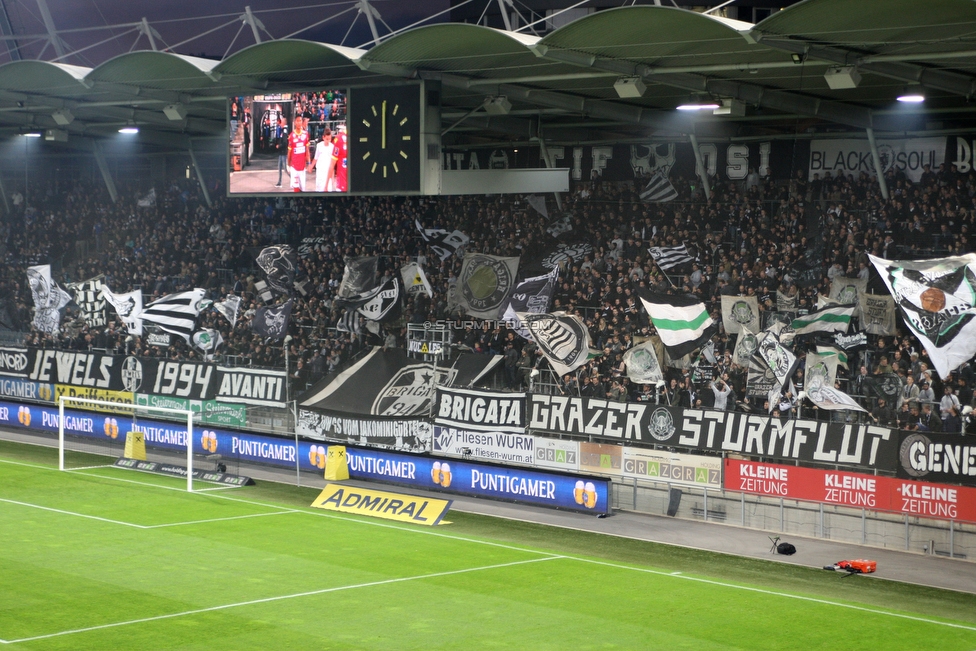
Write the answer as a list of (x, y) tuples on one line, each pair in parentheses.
[(298, 154), (341, 165)]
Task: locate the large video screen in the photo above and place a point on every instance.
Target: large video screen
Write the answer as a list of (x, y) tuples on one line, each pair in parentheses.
[(288, 142)]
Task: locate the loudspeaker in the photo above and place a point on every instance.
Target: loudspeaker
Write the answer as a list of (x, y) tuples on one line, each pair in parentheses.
[(674, 500), (785, 548)]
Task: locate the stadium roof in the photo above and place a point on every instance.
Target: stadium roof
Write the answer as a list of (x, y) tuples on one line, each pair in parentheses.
[(771, 75)]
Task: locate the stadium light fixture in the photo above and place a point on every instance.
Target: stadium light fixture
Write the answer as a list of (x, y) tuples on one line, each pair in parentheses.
[(31, 134), (129, 129), (912, 95), (63, 117), (699, 104), (629, 87)]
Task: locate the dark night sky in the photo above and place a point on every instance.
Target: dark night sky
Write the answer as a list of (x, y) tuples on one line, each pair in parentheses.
[(178, 20)]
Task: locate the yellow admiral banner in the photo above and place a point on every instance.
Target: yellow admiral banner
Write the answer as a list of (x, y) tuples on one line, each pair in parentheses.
[(380, 504)]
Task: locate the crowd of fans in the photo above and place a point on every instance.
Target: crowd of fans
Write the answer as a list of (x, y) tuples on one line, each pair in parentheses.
[(750, 238)]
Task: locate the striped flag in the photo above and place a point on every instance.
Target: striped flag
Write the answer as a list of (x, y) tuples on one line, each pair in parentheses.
[(832, 318), (658, 189), (177, 313), (668, 257), (681, 320), (826, 351)]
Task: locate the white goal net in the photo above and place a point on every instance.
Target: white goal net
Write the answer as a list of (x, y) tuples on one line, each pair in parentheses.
[(97, 433)]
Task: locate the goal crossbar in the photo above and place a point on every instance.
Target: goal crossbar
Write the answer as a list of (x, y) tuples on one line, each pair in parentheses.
[(62, 400)]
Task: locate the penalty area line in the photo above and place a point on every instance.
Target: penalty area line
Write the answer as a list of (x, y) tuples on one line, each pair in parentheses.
[(231, 517), (774, 593), (79, 515), (265, 600)]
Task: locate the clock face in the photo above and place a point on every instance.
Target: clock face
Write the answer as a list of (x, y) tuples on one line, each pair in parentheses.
[(384, 139)]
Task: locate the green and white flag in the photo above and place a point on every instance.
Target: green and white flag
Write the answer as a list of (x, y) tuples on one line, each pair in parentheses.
[(785, 303), (825, 351), (820, 369), (834, 318), (818, 383), (780, 360), (740, 312), (642, 365), (746, 345), (938, 301), (681, 321)]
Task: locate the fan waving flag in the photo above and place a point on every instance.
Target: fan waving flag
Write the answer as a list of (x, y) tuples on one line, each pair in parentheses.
[(561, 337), (938, 300), (279, 263), (272, 322), (177, 313), (128, 306), (229, 308), (669, 257), (658, 189), (681, 320), (832, 318)]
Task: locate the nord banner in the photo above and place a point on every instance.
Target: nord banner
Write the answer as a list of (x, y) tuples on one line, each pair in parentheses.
[(852, 489), (720, 431), (486, 411), (408, 435)]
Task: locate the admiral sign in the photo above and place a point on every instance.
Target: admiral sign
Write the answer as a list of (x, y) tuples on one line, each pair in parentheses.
[(719, 431), (481, 410)]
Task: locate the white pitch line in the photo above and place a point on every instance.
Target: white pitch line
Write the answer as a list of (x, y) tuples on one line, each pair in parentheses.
[(826, 602), (79, 515), (232, 517), (265, 600)]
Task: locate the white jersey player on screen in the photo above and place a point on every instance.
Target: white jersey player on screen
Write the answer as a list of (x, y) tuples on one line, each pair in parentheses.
[(323, 164)]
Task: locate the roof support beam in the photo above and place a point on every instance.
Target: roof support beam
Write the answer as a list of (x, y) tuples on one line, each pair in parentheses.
[(106, 173), (203, 185), (52, 33), (840, 113), (950, 82)]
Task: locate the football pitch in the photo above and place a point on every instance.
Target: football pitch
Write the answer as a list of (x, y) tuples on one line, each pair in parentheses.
[(113, 559)]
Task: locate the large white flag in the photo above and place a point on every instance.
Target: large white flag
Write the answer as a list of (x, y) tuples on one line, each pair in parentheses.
[(561, 337), (128, 306), (415, 280), (49, 299), (484, 284), (642, 365), (681, 321), (937, 298), (740, 312)]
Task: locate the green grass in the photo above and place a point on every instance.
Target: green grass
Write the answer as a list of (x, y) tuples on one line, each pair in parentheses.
[(124, 560)]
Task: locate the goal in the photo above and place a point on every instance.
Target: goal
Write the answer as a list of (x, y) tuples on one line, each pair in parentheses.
[(97, 433)]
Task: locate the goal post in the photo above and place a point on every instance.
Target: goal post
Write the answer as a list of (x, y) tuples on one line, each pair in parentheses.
[(91, 449)]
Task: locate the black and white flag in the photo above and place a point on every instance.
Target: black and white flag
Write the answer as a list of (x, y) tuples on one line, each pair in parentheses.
[(532, 295), (272, 322), (669, 257), (128, 307), (444, 243), (177, 313), (746, 345), (358, 276), (228, 308), (312, 245), (847, 291), (560, 226), (785, 303), (484, 284), (350, 322), (264, 292), (149, 200), (658, 189), (378, 303), (781, 361), (937, 298), (279, 263), (207, 341), (88, 296), (562, 338), (877, 314), (49, 299), (415, 280)]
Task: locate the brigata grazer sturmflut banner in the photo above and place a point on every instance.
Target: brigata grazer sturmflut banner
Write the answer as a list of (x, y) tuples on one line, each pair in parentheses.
[(147, 375), (720, 431), (874, 492), (408, 435), (485, 411)]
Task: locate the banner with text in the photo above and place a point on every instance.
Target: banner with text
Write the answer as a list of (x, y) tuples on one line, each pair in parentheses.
[(485, 411), (409, 435), (857, 490)]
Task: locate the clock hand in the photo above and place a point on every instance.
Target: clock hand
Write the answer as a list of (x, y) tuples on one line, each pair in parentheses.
[(383, 137)]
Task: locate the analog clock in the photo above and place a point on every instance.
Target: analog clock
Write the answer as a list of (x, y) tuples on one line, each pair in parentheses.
[(384, 139)]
